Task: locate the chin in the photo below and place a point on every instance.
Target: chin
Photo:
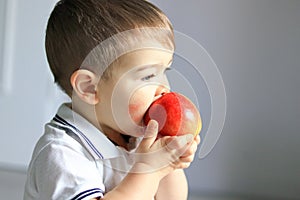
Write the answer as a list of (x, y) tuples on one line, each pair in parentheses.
[(134, 130)]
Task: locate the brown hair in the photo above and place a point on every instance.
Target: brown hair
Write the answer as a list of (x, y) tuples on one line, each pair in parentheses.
[(76, 27)]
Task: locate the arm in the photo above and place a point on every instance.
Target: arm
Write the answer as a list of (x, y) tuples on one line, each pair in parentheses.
[(135, 186), (174, 185)]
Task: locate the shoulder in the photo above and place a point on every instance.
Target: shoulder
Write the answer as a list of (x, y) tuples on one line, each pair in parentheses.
[(61, 166), (56, 147)]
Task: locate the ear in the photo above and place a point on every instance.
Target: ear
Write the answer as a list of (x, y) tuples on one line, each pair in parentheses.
[(85, 83)]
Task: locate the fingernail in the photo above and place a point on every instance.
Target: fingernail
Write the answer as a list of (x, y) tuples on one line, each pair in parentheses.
[(151, 129), (152, 124)]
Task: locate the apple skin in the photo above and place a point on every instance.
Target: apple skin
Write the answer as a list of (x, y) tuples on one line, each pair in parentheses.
[(175, 114)]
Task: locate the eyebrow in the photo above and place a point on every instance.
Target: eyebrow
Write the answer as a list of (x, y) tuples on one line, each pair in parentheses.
[(154, 66)]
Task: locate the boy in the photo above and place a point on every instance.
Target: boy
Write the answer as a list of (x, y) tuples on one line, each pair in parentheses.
[(110, 57)]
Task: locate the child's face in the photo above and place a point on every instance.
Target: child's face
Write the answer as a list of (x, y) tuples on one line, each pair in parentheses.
[(137, 80)]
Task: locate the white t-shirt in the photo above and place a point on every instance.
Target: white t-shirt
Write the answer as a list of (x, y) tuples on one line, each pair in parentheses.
[(74, 160)]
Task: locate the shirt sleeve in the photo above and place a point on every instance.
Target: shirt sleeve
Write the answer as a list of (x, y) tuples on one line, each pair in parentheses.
[(64, 171)]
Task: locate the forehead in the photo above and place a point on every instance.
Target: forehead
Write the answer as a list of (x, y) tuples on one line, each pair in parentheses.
[(138, 59), (144, 57), (133, 63), (116, 50)]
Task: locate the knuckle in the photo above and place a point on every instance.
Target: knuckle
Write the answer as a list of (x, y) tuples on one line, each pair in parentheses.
[(184, 165)]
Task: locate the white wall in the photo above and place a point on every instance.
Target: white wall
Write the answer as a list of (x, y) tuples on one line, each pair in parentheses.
[(27, 95), (12, 184)]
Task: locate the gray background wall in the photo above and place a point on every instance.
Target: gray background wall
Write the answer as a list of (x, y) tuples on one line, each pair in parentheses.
[(255, 44)]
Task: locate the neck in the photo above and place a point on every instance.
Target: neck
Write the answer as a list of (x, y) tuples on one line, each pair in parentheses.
[(88, 112), (116, 137)]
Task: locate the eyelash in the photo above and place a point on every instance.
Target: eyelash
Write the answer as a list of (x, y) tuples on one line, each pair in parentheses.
[(147, 78)]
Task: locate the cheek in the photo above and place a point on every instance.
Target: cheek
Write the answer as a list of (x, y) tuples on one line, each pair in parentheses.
[(139, 103), (137, 111)]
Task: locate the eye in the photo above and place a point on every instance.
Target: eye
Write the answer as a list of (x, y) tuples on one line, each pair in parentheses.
[(147, 78)]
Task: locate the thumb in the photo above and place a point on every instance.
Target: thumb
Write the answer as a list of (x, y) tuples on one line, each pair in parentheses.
[(150, 134)]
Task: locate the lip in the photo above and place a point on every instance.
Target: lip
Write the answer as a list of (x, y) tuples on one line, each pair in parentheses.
[(158, 96), (154, 99)]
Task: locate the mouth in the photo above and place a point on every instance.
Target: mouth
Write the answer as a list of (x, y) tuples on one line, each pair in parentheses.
[(142, 122), (158, 96), (138, 119)]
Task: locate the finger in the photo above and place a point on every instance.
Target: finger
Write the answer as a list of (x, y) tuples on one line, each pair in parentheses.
[(150, 134), (190, 150), (176, 143), (180, 165), (189, 158), (198, 139), (184, 165)]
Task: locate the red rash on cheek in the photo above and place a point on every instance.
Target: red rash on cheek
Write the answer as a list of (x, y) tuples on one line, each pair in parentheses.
[(136, 112)]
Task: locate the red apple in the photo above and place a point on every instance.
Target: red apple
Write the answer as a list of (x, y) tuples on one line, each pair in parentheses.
[(175, 114)]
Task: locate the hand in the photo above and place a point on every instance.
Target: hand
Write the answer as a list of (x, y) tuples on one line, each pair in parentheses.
[(164, 154), (188, 156)]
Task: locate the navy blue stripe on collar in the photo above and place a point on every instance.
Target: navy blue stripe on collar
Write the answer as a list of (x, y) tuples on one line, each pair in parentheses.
[(60, 120), (86, 193)]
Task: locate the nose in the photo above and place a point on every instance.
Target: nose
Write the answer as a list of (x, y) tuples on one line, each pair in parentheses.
[(163, 86), (162, 89)]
